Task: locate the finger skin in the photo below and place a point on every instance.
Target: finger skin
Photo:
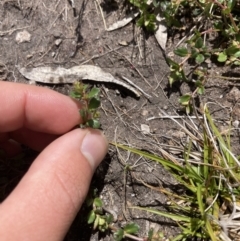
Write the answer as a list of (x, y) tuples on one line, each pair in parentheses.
[(35, 140), (36, 108), (46, 200), (34, 116)]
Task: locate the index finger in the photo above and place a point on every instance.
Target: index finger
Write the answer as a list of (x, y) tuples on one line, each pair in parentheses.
[(36, 108)]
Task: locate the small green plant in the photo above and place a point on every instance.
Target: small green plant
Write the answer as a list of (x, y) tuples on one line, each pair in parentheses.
[(90, 102), (97, 215), (231, 54), (147, 18), (223, 24), (210, 174), (211, 31), (103, 220)]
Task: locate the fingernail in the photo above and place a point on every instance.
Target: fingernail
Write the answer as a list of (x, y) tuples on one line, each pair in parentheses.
[(94, 147)]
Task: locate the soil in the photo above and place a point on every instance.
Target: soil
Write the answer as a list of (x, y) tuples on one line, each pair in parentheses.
[(56, 33)]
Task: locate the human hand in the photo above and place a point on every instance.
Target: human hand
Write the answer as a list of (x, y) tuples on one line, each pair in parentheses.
[(48, 197)]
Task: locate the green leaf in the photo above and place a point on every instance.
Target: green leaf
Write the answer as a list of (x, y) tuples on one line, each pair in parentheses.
[(173, 64), (218, 25), (101, 221), (93, 103), (199, 59), (226, 11), (140, 21), (232, 50), (93, 93), (188, 109), (84, 114), (93, 123), (166, 163), (237, 54), (176, 76), (150, 234), (89, 201), (95, 224), (211, 233), (118, 236), (171, 80), (199, 43), (175, 217), (131, 228), (75, 95), (184, 100), (98, 202), (222, 57), (135, 3), (232, 59), (236, 62), (199, 199), (231, 4), (194, 53), (237, 36), (182, 52), (109, 218), (155, 3), (201, 90), (91, 217)]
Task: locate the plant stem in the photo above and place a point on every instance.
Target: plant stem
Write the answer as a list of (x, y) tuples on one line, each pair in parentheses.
[(230, 15)]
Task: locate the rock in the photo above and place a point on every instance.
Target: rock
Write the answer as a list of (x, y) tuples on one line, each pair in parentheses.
[(23, 36), (145, 129), (29, 56), (144, 112), (58, 42), (233, 95), (123, 43), (235, 123)]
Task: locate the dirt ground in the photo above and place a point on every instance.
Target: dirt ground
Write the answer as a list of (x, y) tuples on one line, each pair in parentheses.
[(56, 33)]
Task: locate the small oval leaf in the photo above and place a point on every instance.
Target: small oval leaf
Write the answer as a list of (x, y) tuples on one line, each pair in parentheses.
[(118, 236), (94, 93), (93, 123), (222, 57), (93, 103), (98, 202), (199, 43), (101, 221), (182, 52), (199, 59), (232, 50), (184, 100), (91, 217), (131, 228), (95, 224)]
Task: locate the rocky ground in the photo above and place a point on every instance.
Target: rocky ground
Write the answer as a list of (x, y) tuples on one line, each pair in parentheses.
[(58, 33)]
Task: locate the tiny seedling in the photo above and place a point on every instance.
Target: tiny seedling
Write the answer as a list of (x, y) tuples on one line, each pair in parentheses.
[(97, 216), (103, 220), (147, 18), (89, 99)]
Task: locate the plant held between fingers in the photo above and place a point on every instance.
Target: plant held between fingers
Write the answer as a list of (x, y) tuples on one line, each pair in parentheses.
[(89, 99)]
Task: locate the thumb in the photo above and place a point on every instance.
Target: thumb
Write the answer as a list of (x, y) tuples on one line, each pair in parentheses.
[(46, 200)]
